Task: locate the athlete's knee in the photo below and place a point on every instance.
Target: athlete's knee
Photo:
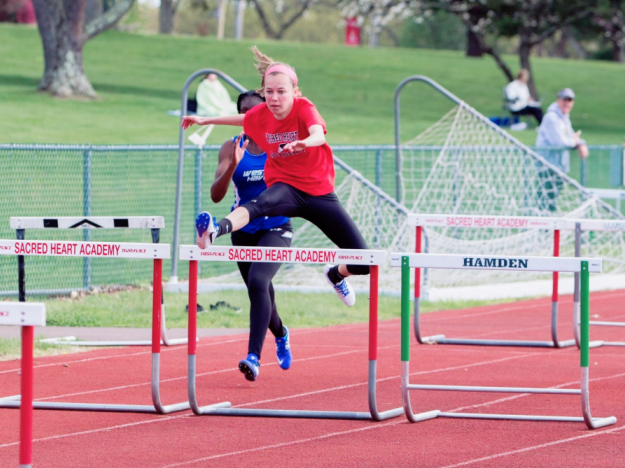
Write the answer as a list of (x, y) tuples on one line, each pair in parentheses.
[(358, 269), (258, 285)]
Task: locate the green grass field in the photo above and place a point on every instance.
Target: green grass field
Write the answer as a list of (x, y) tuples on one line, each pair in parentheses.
[(139, 78)]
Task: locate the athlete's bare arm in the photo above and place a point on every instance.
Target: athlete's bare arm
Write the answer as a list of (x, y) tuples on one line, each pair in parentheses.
[(236, 120), (316, 138), (230, 156)]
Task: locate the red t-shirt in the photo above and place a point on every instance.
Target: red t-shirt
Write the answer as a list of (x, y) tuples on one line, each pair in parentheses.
[(310, 170)]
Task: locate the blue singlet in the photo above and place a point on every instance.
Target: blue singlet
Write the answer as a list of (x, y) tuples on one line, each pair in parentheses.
[(249, 182)]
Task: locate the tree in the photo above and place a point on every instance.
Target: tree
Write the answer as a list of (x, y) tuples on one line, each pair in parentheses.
[(166, 14), (277, 16), (610, 18), (64, 32)]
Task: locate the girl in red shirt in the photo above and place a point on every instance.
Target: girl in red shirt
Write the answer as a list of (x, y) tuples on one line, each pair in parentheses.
[(299, 171)]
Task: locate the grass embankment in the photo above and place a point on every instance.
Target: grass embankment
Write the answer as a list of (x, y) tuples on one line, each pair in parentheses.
[(138, 78)]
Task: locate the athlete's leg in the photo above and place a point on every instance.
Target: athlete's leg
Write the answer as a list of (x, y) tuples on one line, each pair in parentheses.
[(263, 311), (278, 200), (327, 213)]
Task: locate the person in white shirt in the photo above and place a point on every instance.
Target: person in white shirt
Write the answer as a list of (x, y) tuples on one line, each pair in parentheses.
[(555, 138), (519, 99)]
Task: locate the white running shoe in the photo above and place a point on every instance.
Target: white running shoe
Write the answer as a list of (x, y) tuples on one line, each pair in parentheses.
[(206, 232), (343, 289)]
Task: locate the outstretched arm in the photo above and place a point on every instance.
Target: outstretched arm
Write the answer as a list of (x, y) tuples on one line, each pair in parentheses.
[(236, 120), (230, 155), (316, 138)]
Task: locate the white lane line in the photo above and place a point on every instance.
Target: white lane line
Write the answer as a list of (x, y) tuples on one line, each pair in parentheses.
[(284, 444), (536, 447)]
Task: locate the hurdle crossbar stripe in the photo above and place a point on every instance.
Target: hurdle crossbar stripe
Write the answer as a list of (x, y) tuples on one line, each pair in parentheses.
[(154, 252), (45, 248), (454, 222), (373, 258), (282, 255), (88, 222), (495, 262), (22, 313), (485, 222), (406, 386)]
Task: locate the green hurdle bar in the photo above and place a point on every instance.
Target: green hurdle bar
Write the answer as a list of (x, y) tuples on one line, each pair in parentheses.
[(406, 262)]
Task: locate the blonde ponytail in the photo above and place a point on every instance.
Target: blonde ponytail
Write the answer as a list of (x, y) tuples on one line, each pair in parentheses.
[(263, 62)]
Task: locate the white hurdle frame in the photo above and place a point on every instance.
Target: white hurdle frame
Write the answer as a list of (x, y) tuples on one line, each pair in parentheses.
[(156, 252), (488, 222), (521, 263), (28, 316), (373, 258), (580, 225), (154, 223)]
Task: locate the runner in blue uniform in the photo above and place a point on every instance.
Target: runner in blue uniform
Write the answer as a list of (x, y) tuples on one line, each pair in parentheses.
[(245, 168)]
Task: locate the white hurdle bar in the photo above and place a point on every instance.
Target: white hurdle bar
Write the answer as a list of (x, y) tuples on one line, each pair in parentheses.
[(155, 252), (373, 258), (154, 223), (28, 316), (577, 265), (580, 225), (488, 222)]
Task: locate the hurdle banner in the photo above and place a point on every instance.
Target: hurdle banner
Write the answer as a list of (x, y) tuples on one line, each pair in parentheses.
[(27, 316), (420, 221), (154, 252), (582, 266), (373, 258), (580, 225), (155, 223)]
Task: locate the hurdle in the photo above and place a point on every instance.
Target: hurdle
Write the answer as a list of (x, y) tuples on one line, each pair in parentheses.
[(488, 222), (156, 252), (154, 223), (373, 258), (27, 316), (583, 266), (580, 225)]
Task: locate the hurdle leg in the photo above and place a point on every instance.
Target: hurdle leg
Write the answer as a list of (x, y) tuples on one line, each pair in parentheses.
[(576, 293), (405, 348), (26, 406), (554, 299), (192, 345), (373, 349), (584, 352), (417, 296), (157, 309)]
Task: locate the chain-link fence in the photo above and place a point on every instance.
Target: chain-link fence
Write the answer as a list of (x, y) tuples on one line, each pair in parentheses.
[(81, 180)]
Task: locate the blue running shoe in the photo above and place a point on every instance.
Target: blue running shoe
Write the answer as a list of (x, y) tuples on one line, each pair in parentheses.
[(250, 367), (342, 289), (206, 232), (283, 350)]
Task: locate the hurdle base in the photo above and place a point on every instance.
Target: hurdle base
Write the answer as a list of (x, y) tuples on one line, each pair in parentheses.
[(270, 413), (519, 343), (521, 417), (10, 398), (177, 341), (107, 408)]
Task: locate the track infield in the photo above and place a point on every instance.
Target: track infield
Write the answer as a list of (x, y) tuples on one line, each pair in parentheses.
[(330, 373)]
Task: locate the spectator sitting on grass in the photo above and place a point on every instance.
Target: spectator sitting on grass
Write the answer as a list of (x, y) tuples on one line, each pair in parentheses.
[(213, 99), (519, 99)]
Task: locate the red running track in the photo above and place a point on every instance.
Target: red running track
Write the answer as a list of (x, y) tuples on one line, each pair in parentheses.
[(330, 372)]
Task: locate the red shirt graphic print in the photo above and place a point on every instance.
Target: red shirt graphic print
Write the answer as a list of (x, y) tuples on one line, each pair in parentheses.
[(310, 170)]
